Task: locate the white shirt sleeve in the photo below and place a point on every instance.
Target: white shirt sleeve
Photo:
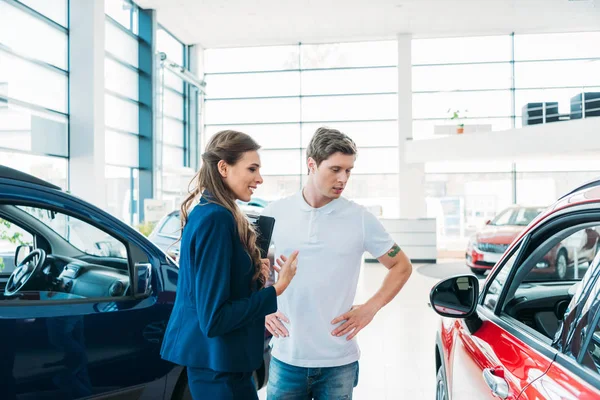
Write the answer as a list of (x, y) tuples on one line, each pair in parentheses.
[(377, 240)]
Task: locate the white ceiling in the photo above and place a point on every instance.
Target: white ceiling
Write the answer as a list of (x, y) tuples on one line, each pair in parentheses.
[(229, 23)]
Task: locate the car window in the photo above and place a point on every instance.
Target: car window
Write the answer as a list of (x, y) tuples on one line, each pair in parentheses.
[(171, 227), (81, 261), (524, 216), (497, 284), (568, 258), (503, 218), (11, 237), (542, 287), (83, 236)]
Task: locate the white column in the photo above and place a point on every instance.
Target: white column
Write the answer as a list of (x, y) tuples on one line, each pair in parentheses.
[(86, 99), (411, 176)]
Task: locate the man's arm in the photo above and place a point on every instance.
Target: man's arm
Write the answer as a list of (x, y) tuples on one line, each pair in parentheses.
[(399, 270)]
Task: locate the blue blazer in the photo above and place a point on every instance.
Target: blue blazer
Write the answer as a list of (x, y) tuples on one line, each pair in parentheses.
[(218, 320)]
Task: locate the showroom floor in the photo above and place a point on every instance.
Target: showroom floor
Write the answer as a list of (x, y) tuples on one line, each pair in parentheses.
[(397, 359)]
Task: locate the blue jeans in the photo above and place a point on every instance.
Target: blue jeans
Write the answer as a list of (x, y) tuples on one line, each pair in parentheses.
[(287, 382)]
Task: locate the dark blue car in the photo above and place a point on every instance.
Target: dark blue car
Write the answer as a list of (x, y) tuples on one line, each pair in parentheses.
[(84, 301)]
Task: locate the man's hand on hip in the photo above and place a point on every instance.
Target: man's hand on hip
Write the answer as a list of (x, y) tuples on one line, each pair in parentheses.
[(356, 319), (274, 324)]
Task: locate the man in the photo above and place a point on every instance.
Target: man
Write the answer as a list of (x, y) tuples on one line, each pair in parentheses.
[(315, 354)]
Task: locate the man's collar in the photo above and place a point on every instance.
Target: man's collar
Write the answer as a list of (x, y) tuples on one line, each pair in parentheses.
[(326, 209)]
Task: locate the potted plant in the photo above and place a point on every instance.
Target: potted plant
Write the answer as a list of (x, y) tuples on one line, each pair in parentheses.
[(456, 116)]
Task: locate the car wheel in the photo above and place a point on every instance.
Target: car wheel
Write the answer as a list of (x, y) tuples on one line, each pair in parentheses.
[(561, 265), (478, 271), (440, 389)]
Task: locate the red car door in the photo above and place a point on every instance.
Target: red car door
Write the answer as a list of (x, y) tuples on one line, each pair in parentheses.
[(492, 363)]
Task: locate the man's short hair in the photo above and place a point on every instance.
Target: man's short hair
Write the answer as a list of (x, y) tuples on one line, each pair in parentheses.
[(326, 142)]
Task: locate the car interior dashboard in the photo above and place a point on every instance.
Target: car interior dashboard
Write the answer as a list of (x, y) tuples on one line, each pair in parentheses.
[(541, 305)]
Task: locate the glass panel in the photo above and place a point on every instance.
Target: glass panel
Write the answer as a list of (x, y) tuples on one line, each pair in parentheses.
[(249, 111), (120, 44), (379, 192), (557, 46), (360, 54), (364, 134), (171, 227), (172, 47), (11, 237), (278, 186), (173, 131), (253, 85), (51, 169), (121, 114), (477, 104), (350, 81), (495, 289), (280, 162), (461, 50), (461, 77), (30, 36), (120, 11), (56, 10), (251, 59), (81, 235), (121, 79), (32, 83), (122, 149), (376, 161), (557, 73), (173, 81), (173, 104), (462, 202), (32, 131), (173, 156), (268, 136), (545, 187), (120, 202), (428, 129), (348, 108)]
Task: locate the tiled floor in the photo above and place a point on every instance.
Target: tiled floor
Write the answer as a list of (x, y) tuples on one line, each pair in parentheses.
[(398, 359)]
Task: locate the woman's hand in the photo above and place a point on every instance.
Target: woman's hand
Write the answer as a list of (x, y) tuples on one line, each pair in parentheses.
[(285, 271)]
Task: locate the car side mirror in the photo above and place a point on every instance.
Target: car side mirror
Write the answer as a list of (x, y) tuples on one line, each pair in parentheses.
[(21, 252), (142, 277), (455, 297)]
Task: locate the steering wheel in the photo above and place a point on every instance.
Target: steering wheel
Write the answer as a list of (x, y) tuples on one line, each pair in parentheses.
[(24, 271)]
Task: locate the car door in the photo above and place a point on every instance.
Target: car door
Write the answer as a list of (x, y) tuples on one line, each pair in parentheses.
[(98, 342), (510, 350), (490, 362)]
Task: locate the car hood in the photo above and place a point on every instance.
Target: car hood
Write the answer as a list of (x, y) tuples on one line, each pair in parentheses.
[(499, 234)]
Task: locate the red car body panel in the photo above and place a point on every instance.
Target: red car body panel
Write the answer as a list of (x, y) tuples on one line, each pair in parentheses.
[(529, 374), (490, 347)]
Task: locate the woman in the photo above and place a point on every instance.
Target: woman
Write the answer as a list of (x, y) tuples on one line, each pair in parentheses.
[(217, 326)]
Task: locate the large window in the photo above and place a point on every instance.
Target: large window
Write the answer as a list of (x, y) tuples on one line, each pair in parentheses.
[(280, 95), (173, 120), (34, 80), (502, 82), (122, 109)]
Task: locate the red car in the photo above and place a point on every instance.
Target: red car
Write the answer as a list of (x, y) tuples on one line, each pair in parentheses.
[(488, 245), (526, 335)]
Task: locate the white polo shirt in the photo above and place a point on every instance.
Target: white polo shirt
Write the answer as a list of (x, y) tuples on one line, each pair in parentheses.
[(331, 241)]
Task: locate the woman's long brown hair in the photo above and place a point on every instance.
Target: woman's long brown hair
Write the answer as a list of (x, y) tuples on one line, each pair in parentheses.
[(228, 146)]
